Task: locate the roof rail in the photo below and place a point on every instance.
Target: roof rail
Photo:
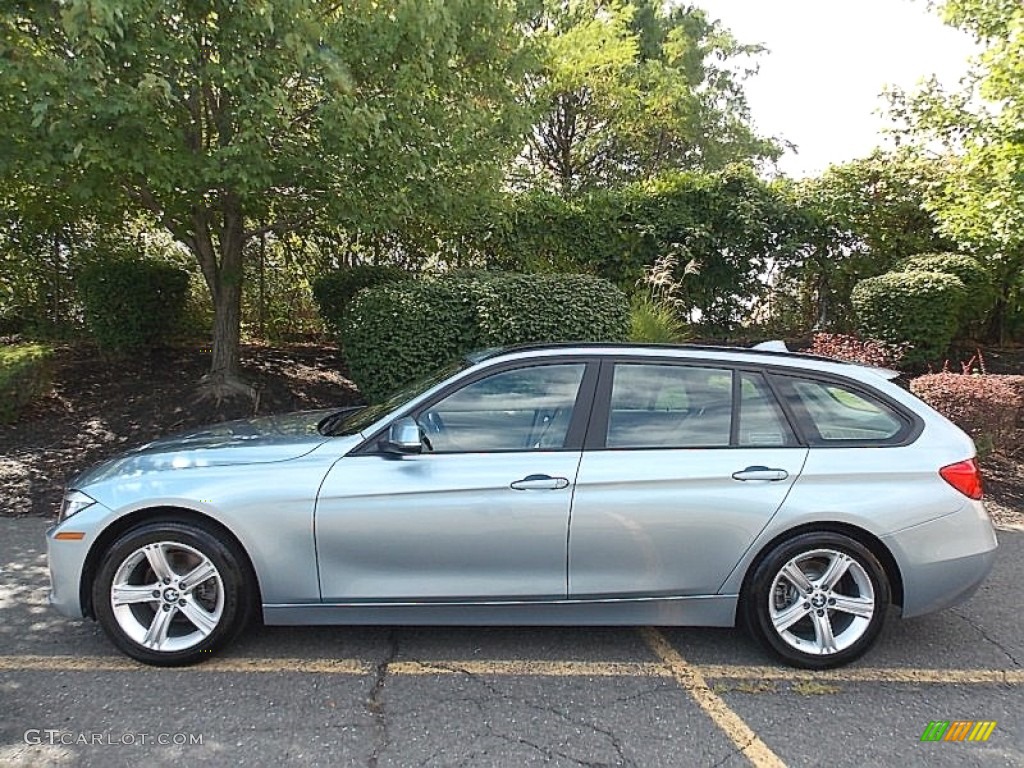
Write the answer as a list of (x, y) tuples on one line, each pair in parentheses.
[(768, 349)]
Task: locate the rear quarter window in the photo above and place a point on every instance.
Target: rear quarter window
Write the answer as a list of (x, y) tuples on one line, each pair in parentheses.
[(833, 413)]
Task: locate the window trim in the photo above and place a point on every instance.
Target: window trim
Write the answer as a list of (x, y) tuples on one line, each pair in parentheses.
[(574, 436)]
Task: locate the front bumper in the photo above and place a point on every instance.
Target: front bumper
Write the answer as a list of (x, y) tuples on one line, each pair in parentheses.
[(66, 560), (944, 561)]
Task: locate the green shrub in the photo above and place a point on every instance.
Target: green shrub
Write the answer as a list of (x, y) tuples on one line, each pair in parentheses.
[(518, 309), (980, 294), (25, 374), (920, 309), (334, 291), (395, 333), (132, 304)]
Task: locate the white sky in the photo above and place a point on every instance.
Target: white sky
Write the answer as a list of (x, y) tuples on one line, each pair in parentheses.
[(829, 60)]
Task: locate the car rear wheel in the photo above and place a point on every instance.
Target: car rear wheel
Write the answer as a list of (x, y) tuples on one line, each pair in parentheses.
[(817, 600), (170, 593)]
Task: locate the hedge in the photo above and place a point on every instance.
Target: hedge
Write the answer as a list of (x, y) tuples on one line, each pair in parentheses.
[(132, 304), (980, 294), (25, 374), (395, 333), (333, 291), (987, 407), (917, 308)]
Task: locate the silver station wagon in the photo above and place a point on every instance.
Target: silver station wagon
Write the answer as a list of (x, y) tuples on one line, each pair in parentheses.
[(543, 485)]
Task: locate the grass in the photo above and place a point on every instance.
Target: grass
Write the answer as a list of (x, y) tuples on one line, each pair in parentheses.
[(25, 374)]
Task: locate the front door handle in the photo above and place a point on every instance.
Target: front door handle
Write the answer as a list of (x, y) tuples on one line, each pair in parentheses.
[(540, 483), (761, 473)]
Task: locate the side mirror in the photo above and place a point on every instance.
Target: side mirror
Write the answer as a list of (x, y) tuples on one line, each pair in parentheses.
[(404, 436)]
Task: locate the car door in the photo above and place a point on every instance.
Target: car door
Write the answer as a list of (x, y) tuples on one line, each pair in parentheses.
[(481, 513), (685, 464)]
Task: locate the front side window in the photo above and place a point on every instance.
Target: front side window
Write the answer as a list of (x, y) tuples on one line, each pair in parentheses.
[(669, 406), (525, 409), (833, 413)]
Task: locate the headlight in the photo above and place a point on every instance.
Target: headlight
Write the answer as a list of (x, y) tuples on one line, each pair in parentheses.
[(74, 502)]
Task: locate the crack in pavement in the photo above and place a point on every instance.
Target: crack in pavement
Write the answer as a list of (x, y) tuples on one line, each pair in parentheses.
[(981, 631), (375, 704), (612, 738)]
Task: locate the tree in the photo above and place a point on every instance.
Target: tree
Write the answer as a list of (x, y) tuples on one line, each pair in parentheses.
[(981, 205), (860, 219), (226, 120), (629, 90)]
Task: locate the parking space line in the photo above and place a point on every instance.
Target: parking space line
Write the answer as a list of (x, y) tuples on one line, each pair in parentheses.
[(527, 668), (690, 677), (870, 674), (531, 668)]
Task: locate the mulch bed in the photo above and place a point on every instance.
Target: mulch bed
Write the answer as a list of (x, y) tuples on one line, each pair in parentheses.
[(100, 407)]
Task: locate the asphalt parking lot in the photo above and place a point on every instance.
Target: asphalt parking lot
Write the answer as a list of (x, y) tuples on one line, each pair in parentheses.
[(510, 696)]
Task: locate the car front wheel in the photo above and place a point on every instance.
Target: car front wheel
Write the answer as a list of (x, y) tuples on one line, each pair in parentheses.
[(170, 593), (817, 600)]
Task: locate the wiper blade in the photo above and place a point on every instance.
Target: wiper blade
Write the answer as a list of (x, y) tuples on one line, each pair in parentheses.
[(332, 421)]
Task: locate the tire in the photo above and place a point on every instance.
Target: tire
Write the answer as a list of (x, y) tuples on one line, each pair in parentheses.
[(152, 612), (818, 600)]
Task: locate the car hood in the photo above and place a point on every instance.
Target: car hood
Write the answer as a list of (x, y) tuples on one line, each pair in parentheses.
[(247, 441)]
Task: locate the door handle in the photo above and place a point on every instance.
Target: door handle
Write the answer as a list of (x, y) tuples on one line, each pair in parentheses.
[(761, 473), (540, 483)]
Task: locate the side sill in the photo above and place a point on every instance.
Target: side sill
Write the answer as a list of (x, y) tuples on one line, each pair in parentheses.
[(698, 611)]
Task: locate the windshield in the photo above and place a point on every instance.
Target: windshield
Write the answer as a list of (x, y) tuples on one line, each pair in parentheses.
[(351, 422)]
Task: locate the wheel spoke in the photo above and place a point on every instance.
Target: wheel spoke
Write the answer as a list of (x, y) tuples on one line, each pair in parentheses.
[(858, 606), (203, 620), (792, 573), (789, 616), (157, 558), (198, 575), (156, 635), (124, 594), (839, 565), (823, 633)]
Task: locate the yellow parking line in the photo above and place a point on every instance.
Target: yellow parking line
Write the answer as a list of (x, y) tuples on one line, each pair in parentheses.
[(531, 668), (870, 674), (690, 677)]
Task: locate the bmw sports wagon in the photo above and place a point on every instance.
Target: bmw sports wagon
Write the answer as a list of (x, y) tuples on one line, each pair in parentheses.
[(546, 485)]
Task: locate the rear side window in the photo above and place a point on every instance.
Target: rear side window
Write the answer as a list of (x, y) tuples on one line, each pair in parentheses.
[(834, 414), (670, 406), (761, 421)]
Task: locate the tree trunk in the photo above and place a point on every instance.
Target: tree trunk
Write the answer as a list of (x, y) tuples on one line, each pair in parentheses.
[(224, 363)]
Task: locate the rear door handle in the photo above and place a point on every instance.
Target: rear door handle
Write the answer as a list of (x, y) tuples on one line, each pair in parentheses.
[(760, 473), (540, 483)]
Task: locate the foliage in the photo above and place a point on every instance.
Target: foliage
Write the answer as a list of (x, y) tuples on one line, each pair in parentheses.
[(919, 309), (628, 90), (981, 204), (132, 305), (652, 322), (516, 309), (878, 354), (859, 219), (25, 374), (227, 120), (985, 406), (730, 223), (980, 296), (334, 290), (396, 332)]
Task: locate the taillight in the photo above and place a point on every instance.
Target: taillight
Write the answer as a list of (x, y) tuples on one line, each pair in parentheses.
[(965, 476)]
